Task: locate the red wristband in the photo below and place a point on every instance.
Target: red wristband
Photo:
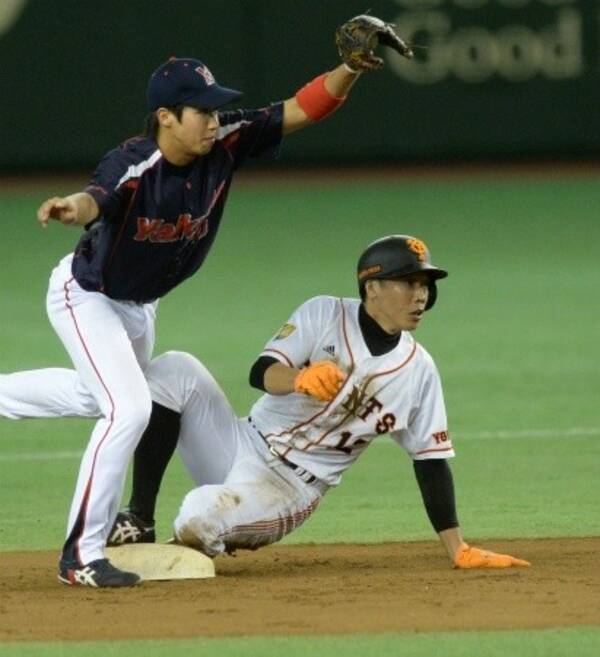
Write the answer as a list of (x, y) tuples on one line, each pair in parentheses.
[(316, 101)]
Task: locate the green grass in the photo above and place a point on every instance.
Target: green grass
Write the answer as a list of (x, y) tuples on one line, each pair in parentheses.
[(514, 334), (540, 643), (503, 490)]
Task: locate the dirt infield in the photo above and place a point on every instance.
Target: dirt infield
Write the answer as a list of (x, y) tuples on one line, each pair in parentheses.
[(313, 589)]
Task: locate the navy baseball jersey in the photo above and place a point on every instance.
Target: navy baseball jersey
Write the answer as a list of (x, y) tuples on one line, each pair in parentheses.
[(158, 221)]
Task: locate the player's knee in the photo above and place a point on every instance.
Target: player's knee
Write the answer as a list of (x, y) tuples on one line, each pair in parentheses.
[(202, 519), (209, 502), (133, 415), (188, 373), (176, 366), (177, 361)]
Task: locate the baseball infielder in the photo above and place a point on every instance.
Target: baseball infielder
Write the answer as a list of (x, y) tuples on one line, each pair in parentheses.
[(339, 374), (151, 212)]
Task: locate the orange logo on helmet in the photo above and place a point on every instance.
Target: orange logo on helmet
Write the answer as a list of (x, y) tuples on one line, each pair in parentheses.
[(375, 269), (418, 247)]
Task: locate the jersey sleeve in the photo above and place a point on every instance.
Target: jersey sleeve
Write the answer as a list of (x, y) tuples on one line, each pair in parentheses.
[(251, 133), (294, 343), (104, 185), (426, 435)]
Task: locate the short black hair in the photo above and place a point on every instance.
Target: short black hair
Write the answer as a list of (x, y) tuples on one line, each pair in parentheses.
[(151, 124), (362, 291)]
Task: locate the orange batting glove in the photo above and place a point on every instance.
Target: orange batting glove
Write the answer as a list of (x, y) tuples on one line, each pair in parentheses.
[(321, 380), (472, 557)]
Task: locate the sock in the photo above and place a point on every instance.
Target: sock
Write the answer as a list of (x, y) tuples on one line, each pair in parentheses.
[(151, 458)]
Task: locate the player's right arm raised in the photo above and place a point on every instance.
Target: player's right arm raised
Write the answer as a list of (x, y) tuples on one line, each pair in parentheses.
[(356, 41), (75, 210)]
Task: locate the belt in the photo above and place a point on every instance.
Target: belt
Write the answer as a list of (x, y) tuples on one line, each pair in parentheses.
[(306, 476)]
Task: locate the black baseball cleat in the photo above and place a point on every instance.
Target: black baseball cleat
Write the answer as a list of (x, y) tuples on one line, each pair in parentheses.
[(97, 574), (128, 528)]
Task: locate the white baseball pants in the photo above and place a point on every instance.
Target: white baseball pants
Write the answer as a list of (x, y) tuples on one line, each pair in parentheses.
[(110, 343), (246, 496)]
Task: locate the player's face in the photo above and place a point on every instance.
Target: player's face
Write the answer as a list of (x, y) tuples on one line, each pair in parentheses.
[(192, 136), (398, 304)]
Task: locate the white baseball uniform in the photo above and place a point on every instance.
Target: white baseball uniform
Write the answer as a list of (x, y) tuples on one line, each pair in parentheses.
[(260, 477), (263, 497)]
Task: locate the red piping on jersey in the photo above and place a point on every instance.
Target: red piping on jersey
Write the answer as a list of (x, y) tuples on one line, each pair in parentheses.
[(86, 495), (131, 184), (314, 417), (346, 338), (230, 141), (345, 332), (276, 351), (98, 187), (125, 217), (435, 449), (394, 369)]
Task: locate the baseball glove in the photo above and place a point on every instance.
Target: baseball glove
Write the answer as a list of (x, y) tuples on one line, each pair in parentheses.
[(357, 39)]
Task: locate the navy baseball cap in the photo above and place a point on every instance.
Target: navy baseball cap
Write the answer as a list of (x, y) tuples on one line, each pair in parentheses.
[(184, 81)]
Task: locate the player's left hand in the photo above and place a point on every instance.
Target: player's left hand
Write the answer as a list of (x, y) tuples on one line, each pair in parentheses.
[(473, 557), (357, 39)]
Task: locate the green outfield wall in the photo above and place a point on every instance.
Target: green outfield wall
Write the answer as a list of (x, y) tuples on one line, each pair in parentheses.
[(496, 79)]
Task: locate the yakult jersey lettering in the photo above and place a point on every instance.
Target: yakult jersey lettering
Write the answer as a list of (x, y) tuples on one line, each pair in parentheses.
[(158, 221), (398, 393)]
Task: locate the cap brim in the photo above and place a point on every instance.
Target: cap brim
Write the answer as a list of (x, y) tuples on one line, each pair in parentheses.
[(213, 98), (433, 272)]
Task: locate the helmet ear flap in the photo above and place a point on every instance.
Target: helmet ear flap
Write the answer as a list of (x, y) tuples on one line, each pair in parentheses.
[(432, 295), (396, 256)]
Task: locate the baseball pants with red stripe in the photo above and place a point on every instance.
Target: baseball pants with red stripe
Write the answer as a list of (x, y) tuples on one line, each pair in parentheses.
[(246, 497), (110, 344)]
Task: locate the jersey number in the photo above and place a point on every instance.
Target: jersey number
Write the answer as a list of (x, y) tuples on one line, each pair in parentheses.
[(343, 446)]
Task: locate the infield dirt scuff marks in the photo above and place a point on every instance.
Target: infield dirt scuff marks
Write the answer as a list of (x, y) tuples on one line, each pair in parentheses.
[(313, 589)]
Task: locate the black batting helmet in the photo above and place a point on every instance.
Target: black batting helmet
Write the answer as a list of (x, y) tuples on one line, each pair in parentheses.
[(395, 256)]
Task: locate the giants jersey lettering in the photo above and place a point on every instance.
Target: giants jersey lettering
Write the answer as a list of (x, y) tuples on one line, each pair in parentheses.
[(158, 221), (398, 393)]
